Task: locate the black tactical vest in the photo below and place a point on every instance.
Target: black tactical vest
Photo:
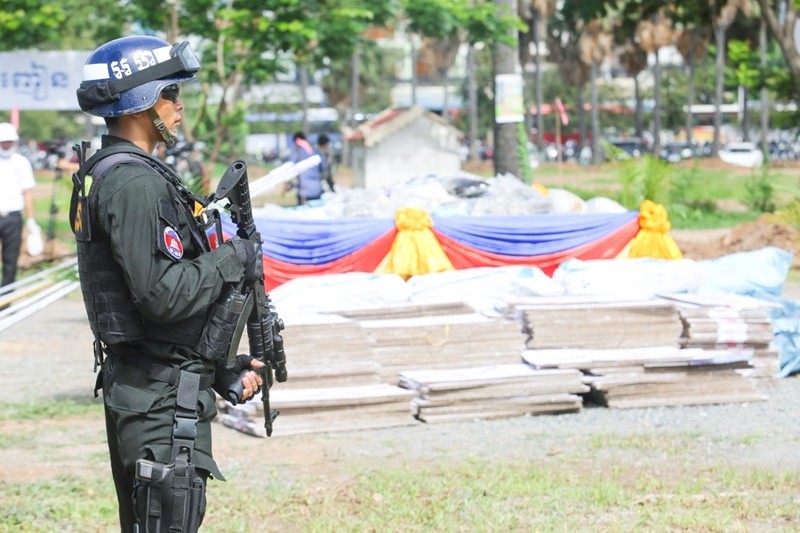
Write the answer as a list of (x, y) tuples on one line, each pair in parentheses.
[(112, 315)]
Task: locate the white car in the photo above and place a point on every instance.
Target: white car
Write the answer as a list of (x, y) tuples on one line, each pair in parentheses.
[(742, 154)]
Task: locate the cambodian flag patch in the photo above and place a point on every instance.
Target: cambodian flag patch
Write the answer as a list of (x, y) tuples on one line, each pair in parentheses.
[(213, 237), (172, 242)]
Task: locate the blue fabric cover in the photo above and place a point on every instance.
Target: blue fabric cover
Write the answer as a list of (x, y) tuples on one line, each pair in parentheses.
[(314, 242), (530, 235)]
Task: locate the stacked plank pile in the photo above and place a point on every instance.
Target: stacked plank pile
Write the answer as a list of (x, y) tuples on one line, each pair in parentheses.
[(325, 350), (656, 376), (408, 310), (598, 322), (324, 410), (730, 323), (497, 391), (442, 341)]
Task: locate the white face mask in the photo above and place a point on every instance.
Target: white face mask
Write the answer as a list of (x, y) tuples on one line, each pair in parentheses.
[(5, 154)]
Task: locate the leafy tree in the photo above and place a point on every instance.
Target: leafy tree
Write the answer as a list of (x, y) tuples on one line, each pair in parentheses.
[(783, 31), (248, 42), (376, 74), (28, 24)]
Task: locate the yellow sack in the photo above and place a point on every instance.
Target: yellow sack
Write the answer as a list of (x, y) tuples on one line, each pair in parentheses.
[(653, 239), (415, 249)]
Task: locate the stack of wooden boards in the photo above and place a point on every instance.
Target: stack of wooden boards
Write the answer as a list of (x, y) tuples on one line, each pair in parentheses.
[(731, 323), (325, 409), (496, 391), (344, 367), (384, 367), (655, 376), (597, 322)]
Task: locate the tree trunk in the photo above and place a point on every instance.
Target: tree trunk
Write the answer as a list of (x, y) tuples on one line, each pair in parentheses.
[(304, 96), (414, 81), (690, 96), (637, 93), (446, 99), (538, 78), (745, 114), (506, 138), (355, 84), (472, 93), (719, 37), (762, 47), (595, 120), (657, 110), (582, 115)]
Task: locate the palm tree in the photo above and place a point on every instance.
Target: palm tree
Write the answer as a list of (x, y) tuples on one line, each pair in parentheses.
[(437, 56), (573, 72), (594, 45), (651, 35), (692, 43), (720, 24), (634, 61), (535, 13)]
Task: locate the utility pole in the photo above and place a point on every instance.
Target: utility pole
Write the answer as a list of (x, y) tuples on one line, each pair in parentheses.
[(509, 109)]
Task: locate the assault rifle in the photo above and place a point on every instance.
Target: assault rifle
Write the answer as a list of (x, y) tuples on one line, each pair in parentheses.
[(263, 324)]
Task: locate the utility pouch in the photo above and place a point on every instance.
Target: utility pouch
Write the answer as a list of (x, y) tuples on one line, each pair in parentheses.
[(169, 498), (215, 342)]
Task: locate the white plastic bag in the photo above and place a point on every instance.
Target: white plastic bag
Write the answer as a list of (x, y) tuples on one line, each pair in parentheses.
[(34, 242)]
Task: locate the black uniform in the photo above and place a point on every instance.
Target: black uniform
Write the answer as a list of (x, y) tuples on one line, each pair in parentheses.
[(149, 279)]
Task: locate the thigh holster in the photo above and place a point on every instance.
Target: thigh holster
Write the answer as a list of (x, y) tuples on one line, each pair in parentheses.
[(170, 497)]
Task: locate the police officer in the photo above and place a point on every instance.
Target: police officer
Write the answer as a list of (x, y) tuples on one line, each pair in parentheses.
[(151, 277)]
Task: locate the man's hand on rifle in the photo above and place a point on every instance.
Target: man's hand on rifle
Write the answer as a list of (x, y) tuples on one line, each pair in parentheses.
[(252, 380)]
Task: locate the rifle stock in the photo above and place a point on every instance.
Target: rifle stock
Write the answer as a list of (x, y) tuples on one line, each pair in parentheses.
[(264, 326)]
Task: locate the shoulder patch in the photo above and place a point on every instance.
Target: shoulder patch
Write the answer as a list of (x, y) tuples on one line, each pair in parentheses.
[(172, 242)]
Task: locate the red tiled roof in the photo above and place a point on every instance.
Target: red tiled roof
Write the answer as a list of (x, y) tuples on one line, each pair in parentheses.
[(383, 118)]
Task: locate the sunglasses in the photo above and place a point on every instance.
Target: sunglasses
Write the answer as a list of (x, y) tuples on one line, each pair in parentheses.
[(171, 92)]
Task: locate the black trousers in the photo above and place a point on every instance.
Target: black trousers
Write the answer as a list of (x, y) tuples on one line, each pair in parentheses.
[(11, 242)]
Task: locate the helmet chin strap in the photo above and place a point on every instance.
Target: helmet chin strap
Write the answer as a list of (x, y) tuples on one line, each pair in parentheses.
[(170, 138)]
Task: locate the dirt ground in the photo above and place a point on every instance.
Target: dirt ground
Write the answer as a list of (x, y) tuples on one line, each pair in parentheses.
[(765, 231)]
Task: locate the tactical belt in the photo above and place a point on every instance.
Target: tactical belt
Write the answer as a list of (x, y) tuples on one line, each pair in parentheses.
[(165, 373)]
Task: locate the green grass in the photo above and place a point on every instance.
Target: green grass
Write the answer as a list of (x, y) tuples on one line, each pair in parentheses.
[(605, 482), (469, 495), (68, 503), (700, 196), (61, 409)]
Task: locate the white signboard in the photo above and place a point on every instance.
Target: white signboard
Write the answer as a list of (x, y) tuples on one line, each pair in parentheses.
[(32, 80), (508, 103)]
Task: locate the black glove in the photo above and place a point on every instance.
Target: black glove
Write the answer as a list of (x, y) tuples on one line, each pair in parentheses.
[(249, 253), (227, 378)]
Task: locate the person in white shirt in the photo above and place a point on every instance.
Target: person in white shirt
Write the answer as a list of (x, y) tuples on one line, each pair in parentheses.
[(16, 196)]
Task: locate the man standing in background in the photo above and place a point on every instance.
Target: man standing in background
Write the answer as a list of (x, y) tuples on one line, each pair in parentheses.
[(328, 160), (16, 194), (309, 183)]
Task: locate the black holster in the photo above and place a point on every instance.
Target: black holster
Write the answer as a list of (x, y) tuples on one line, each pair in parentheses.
[(169, 497)]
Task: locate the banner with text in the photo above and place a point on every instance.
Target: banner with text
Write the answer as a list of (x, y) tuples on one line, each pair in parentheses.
[(41, 80)]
